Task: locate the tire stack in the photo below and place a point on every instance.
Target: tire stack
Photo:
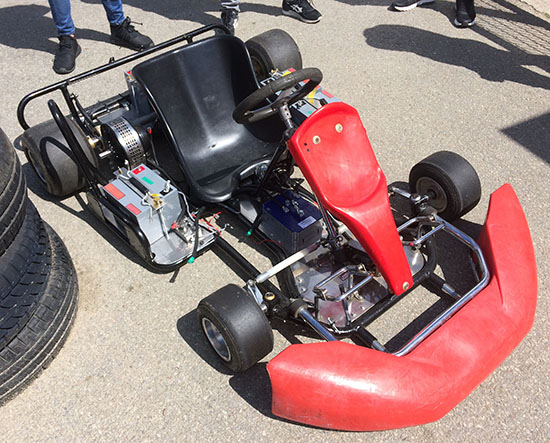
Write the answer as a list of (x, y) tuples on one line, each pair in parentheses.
[(38, 285)]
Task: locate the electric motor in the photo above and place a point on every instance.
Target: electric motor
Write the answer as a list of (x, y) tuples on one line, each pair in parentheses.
[(126, 142)]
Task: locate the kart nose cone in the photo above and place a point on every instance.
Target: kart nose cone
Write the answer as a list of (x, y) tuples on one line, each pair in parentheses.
[(343, 386)]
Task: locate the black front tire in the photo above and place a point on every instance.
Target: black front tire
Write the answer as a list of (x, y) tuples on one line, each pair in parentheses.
[(235, 327), (450, 182), (273, 50)]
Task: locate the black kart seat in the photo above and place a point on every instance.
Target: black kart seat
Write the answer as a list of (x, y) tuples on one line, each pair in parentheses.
[(194, 90)]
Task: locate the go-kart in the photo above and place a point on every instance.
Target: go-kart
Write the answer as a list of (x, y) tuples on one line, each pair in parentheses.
[(216, 124)]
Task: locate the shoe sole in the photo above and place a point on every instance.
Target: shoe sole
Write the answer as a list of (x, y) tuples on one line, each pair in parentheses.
[(299, 17), (459, 24), (63, 71), (414, 5), (126, 45)]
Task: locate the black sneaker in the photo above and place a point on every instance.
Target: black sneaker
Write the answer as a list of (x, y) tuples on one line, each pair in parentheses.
[(407, 5), (230, 18), (66, 54), (465, 14), (126, 35), (302, 10)]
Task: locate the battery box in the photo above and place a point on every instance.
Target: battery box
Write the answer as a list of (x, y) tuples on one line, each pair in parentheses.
[(291, 221), (154, 205), (134, 190)]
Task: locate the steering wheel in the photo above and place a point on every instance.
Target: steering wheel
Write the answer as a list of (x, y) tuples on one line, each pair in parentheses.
[(246, 111)]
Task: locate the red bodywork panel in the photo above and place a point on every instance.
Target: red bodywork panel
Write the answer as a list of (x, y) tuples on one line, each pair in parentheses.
[(344, 386), (333, 152)]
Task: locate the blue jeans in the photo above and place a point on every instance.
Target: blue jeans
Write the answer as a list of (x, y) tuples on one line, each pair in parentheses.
[(61, 12)]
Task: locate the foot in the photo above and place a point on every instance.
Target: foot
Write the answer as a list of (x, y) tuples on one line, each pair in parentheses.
[(302, 10), (66, 54), (230, 18), (465, 14), (126, 35), (407, 5)]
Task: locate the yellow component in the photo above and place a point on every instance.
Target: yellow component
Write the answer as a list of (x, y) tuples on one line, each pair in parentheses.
[(311, 96), (157, 201)]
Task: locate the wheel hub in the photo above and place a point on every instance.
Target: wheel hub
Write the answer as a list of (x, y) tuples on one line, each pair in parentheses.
[(428, 186), (216, 339)]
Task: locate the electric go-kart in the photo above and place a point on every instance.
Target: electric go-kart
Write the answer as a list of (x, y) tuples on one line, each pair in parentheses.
[(212, 125)]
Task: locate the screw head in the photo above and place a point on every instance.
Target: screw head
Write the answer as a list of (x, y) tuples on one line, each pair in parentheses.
[(316, 139), (338, 127)]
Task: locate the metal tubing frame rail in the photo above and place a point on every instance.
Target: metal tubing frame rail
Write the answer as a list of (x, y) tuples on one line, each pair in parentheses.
[(455, 307)]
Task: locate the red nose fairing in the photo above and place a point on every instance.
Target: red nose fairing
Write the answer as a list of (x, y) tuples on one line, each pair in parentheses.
[(343, 386)]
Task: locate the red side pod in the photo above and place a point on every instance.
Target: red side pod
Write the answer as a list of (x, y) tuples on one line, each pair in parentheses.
[(344, 386), (334, 153)]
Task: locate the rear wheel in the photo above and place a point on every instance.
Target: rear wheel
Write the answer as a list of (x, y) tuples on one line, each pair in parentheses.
[(235, 327), (273, 50), (54, 163), (450, 182)]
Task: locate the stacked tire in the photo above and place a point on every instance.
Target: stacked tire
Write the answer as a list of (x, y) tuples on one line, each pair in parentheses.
[(38, 285)]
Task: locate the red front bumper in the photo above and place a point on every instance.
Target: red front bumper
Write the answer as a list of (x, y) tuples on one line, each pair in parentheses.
[(344, 386)]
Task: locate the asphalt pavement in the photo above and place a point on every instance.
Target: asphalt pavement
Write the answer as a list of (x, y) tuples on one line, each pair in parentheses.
[(135, 366)]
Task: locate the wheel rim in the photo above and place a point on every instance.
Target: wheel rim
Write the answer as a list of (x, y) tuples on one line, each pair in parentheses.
[(428, 186), (216, 339), (259, 69)]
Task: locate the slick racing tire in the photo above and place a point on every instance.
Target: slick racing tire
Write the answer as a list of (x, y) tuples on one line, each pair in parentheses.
[(13, 193), (235, 327), (273, 50), (53, 162), (39, 339), (450, 182)]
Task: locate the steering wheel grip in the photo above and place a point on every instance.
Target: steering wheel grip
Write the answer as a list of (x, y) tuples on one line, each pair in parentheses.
[(241, 114)]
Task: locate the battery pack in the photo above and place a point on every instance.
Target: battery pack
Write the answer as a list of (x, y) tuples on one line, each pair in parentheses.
[(291, 221)]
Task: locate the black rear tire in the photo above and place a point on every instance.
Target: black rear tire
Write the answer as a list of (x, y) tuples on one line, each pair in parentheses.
[(235, 327), (450, 182), (273, 50), (53, 162)]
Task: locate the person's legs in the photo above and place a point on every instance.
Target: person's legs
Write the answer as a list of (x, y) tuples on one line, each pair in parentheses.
[(122, 31), (113, 8), (465, 14), (68, 49), (303, 10), (230, 14), (61, 13), (407, 5)]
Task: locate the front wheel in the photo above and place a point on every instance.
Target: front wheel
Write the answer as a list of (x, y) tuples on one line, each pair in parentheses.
[(450, 182), (235, 327)]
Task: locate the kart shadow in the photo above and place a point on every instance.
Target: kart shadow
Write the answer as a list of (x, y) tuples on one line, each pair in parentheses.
[(190, 330), (252, 385), (34, 185), (531, 135)]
